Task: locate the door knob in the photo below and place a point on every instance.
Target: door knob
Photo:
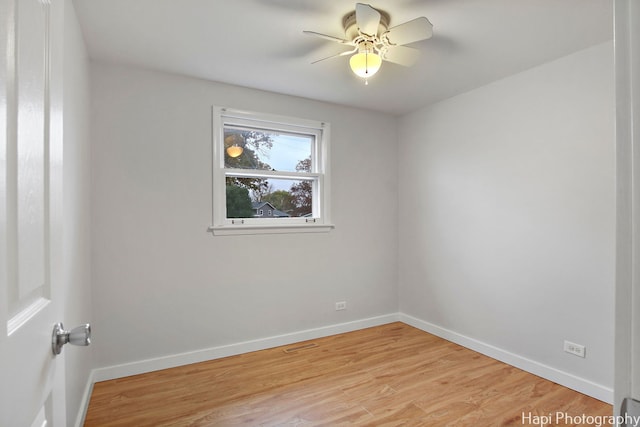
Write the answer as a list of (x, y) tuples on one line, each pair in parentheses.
[(80, 335)]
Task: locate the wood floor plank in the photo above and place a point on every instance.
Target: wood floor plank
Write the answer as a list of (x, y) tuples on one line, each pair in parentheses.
[(389, 375)]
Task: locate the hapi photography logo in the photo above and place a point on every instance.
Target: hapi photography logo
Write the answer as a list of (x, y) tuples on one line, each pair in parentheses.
[(563, 418)]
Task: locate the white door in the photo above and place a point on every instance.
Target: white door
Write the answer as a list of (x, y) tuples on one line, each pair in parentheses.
[(32, 379)]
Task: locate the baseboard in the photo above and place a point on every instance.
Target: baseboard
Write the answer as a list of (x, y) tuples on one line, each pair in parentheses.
[(84, 403), (171, 361), (571, 381)]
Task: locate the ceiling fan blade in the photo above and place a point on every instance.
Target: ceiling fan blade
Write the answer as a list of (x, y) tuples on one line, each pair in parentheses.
[(367, 19), (401, 55), (326, 37), (409, 32), (349, 52)]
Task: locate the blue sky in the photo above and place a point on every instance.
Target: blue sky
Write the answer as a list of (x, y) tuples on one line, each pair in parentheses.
[(287, 151), (285, 154)]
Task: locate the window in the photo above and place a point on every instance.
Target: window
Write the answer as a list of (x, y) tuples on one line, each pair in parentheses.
[(269, 163)]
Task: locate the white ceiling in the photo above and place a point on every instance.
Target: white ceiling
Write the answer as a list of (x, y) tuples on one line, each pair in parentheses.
[(260, 44)]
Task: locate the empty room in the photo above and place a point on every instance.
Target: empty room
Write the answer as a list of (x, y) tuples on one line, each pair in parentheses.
[(272, 212)]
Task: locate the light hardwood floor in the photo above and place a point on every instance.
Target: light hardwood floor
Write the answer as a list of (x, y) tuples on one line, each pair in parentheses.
[(389, 375)]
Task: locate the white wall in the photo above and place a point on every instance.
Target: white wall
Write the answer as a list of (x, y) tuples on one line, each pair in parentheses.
[(507, 215), (77, 306), (163, 285)]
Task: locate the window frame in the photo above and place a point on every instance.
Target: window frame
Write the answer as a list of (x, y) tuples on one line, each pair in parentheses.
[(319, 175)]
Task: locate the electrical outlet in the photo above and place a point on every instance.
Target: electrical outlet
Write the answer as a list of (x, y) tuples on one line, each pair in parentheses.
[(341, 305), (573, 348)]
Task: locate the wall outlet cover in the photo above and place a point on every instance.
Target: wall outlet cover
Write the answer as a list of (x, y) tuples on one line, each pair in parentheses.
[(575, 349)]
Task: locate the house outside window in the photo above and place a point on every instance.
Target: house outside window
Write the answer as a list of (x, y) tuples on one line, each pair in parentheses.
[(273, 165)]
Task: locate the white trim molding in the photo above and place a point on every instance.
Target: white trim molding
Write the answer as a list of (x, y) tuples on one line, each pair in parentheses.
[(86, 397), (627, 327)]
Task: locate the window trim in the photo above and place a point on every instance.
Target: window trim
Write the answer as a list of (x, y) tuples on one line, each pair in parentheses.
[(221, 225)]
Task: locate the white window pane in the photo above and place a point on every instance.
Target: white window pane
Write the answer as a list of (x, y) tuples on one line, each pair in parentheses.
[(268, 198), (264, 150)]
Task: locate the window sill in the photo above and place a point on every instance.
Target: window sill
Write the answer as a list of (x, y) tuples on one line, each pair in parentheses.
[(229, 230)]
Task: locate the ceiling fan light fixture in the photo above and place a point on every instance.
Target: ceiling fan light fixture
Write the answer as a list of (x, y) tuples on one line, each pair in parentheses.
[(234, 150), (365, 64), (234, 143)]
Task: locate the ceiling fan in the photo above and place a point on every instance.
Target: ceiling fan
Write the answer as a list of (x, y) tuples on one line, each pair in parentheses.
[(367, 31)]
